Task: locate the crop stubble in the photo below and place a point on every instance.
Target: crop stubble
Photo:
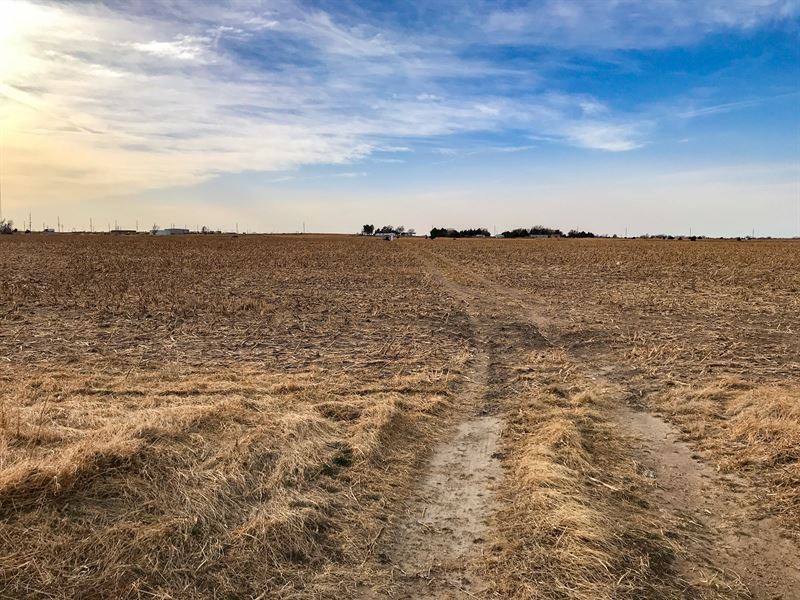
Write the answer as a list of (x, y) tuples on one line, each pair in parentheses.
[(215, 415)]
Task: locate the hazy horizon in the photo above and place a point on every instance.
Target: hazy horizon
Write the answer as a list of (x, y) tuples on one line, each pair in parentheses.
[(655, 117)]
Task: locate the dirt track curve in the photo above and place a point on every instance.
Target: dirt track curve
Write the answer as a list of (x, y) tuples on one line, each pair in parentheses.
[(445, 524)]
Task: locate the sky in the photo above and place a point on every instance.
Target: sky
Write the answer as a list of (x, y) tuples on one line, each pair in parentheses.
[(651, 116)]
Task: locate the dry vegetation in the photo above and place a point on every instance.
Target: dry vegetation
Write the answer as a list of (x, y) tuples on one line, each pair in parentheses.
[(244, 416), (187, 417), (706, 333)]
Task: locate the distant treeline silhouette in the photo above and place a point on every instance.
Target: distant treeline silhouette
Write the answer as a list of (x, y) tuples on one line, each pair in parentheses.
[(539, 231), (521, 232), (536, 230), (370, 229), (455, 233)]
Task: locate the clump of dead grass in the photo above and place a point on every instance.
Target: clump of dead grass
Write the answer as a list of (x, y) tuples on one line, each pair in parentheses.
[(179, 484), (575, 522), (747, 429)]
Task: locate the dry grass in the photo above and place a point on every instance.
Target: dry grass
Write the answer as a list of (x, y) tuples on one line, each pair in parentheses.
[(576, 522), (209, 417), (748, 430), (241, 417)]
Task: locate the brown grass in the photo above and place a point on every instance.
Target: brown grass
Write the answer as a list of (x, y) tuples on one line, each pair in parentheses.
[(242, 417), (748, 430), (576, 522), (208, 416)]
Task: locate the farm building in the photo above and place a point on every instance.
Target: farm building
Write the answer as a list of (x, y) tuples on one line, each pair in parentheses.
[(386, 236), (172, 231)]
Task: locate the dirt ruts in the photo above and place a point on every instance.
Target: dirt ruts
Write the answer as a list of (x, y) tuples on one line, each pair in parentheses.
[(444, 527), (443, 530), (722, 540)]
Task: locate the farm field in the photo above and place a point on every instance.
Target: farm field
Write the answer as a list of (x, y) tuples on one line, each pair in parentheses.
[(342, 417)]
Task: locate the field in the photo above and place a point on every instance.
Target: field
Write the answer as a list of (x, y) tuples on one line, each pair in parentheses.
[(342, 417)]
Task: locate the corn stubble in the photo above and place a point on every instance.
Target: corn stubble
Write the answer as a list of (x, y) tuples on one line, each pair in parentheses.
[(241, 417)]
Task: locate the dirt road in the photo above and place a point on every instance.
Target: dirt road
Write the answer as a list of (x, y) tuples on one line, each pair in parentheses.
[(721, 549)]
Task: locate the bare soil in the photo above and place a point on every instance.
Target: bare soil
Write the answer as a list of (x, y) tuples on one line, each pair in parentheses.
[(712, 510), (722, 549), (336, 417)]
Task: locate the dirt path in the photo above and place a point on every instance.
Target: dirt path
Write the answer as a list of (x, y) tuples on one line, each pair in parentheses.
[(724, 543), (446, 524), (446, 520), (442, 531), (710, 510)]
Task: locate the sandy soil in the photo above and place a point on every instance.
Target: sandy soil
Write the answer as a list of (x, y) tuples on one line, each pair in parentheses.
[(711, 511)]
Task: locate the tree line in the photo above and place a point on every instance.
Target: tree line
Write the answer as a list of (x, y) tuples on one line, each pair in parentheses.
[(455, 233), (400, 230), (520, 232)]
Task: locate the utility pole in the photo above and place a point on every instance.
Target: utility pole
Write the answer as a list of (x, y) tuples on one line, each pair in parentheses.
[(304, 227), (58, 224), (30, 222), (91, 227)]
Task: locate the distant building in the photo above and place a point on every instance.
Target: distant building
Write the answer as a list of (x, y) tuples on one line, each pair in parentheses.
[(48, 230), (172, 231), (386, 236)]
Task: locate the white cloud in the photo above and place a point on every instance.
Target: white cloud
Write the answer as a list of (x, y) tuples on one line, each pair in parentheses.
[(99, 100), (183, 47), (604, 136), (628, 24)]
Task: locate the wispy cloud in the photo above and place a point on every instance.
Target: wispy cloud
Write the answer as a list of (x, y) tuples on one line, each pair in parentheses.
[(630, 24), (156, 94)]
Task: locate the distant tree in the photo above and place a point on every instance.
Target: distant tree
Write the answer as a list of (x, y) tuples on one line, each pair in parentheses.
[(517, 233), (154, 229), (454, 233), (368, 229), (536, 230), (443, 232), (541, 230), (205, 229), (6, 227), (574, 233), (412, 232)]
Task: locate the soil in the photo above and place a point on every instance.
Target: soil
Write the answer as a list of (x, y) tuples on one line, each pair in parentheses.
[(443, 529), (712, 511)]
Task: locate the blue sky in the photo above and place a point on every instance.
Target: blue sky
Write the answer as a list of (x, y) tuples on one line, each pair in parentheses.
[(652, 116)]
